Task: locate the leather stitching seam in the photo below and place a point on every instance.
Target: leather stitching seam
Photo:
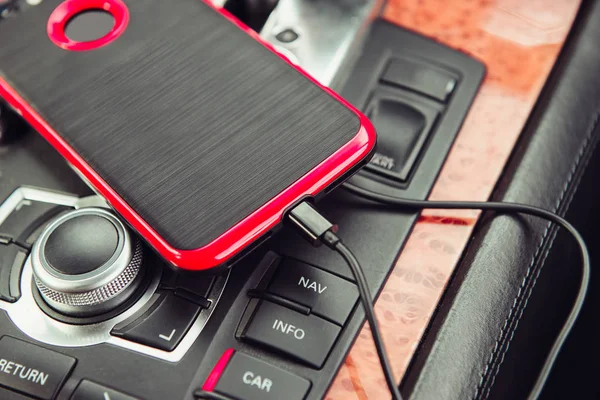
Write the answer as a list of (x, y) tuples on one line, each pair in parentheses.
[(561, 207), (536, 273), (521, 300)]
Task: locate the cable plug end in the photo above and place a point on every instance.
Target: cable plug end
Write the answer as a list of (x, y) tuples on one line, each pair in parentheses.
[(314, 227)]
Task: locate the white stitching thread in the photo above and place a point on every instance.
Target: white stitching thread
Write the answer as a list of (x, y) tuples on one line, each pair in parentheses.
[(508, 319), (529, 292), (517, 299)]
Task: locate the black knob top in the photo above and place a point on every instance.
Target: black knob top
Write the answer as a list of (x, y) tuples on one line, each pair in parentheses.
[(86, 263), (81, 245)]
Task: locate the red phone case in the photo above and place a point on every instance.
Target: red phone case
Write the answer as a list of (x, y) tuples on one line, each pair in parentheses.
[(352, 148)]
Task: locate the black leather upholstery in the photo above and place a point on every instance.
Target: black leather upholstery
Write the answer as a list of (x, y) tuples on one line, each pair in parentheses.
[(516, 283)]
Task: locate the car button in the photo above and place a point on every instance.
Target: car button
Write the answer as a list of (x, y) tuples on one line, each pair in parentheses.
[(12, 258), (249, 378), (420, 77), (164, 327), (26, 220), (33, 370), (403, 127), (307, 338), (327, 295), (87, 390)]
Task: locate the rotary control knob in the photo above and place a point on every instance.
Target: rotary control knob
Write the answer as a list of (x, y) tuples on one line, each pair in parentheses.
[(86, 263)]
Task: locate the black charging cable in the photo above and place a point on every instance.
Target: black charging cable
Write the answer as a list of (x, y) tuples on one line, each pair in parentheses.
[(317, 229)]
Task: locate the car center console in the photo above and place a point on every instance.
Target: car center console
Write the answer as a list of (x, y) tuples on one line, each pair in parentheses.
[(88, 311)]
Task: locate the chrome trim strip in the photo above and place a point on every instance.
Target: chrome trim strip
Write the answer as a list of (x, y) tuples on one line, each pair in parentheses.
[(330, 34), (25, 193)]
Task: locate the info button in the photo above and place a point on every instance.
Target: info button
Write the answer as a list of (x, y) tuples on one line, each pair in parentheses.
[(33, 370), (307, 338)]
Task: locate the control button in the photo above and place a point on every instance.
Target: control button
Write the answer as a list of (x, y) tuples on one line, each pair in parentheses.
[(249, 378), (87, 390), (189, 296), (164, 327), (190, 285), (86, 263), (12, 258), (308, 338), (24, 222), (420, 77), (81, 245), (327, 295), (198, 283), (33, 370), (403, 127), (287, 36)]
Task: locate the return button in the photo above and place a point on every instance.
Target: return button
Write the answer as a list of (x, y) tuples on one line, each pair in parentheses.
[(33, 370)]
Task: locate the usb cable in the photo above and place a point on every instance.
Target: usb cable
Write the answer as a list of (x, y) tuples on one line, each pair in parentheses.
[(318, 230)]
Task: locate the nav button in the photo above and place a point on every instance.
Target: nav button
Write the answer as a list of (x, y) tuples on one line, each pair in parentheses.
[(327, 295), (33, 370)]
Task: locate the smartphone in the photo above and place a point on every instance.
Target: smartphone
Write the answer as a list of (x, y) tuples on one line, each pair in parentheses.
[(197, 133)]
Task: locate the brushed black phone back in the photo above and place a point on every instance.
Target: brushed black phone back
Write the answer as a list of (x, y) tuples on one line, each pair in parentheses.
[(188, 118)]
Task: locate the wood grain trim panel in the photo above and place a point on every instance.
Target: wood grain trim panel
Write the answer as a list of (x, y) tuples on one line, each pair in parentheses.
[(519, 42)]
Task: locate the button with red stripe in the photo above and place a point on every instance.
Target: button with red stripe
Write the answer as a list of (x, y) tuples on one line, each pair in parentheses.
[(240, 376)]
